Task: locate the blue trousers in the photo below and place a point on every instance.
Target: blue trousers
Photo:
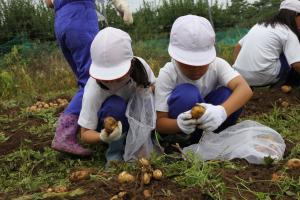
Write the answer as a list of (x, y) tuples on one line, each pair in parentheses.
[(76, 25), (287, 74), (114, 106), (182, 99)]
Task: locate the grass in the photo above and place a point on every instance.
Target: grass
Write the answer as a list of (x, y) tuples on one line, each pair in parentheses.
[(27, 170), (3, 138)]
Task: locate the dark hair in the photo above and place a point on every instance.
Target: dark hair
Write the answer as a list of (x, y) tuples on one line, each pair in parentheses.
[(284, 17), (138, 73)]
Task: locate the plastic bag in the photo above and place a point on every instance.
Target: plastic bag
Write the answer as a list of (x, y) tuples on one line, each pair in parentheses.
[(141, 117), (249, 140)]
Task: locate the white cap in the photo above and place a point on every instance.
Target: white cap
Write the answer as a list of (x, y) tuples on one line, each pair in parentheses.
[(111, 54), (192, 41), (293, 5)]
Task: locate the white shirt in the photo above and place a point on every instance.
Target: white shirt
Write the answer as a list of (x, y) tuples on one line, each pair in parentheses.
[(94, 96), (258, 60), (219, 73)]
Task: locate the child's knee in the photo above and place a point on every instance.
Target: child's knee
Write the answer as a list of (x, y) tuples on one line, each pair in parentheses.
[(183, 98)]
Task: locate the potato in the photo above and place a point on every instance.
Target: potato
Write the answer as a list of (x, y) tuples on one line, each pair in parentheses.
[(80, 175), (125, 177), (293, 163), (144, 162), (122, 194), (49, 190), (197, 111), (146, 178), (157, 174), (110, 124), (285, 104), (147, 194), (277, 177), (286, 88), (115, 197), (60, 189)]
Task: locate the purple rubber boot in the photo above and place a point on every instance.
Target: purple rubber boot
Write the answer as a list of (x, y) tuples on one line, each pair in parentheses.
[(65, 139)]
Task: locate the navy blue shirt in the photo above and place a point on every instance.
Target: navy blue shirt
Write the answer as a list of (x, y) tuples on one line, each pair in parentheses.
[(60, 3)]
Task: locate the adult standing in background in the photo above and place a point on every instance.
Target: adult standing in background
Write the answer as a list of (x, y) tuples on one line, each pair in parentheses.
[(76, 25), (270, 52)]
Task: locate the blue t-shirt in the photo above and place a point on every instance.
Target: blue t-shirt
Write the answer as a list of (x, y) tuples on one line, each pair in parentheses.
[(60, 3)]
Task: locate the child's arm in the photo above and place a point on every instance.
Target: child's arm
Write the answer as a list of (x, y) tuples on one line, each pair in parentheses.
[(236, 51), (215, 115), (241, 93), (296, 66), (89, 136), (166, 125), (123, 8)]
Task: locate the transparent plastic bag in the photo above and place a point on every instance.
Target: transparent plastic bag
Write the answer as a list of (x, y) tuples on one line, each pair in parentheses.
[(142, 120), (249, 140)]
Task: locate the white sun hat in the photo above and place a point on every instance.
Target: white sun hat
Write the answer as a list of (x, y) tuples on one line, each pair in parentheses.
[(293, 5), (192, 41), (111, 54)]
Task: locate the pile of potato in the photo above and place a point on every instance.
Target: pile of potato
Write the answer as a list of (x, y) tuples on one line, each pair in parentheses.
[(40, 105), (147, 174)]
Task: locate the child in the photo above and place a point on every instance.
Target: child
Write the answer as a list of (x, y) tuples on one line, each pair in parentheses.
[(269, 53), (76, 25), (195, 75), (114, 75)]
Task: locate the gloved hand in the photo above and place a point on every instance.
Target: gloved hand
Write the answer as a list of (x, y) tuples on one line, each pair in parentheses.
[(113, 136), (186, 123), (213, 117), (123, 8)]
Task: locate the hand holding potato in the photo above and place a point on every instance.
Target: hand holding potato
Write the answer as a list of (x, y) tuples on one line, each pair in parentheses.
[(212, 118), (186, 123), (113, 136)]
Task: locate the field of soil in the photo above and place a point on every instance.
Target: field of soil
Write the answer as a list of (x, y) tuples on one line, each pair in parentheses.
[(239, 182)]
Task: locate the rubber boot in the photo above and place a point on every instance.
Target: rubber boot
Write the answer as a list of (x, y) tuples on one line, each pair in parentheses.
[(65, 139)]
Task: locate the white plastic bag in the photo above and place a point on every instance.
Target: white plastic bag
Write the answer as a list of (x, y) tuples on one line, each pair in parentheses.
[(142, 120), (249, 140)]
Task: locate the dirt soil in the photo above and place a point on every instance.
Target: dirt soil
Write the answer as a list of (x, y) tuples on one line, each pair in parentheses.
[(264, 100), (256, 178)]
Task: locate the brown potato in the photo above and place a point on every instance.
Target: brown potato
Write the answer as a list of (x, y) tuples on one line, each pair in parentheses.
[(157, 174), (146, 178), (125, 177), (49, 190), (110, 124), (80, 175), (144, 162), (115, 197), (293, 163), (60, 189), (122, 194), (285, 104), (197, 111), (147, 194), (286, 88), (277, 177)]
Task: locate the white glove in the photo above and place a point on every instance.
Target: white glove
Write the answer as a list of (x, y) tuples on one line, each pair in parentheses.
[(123, 9), (186, 123), (113, 136), (213, 117)]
